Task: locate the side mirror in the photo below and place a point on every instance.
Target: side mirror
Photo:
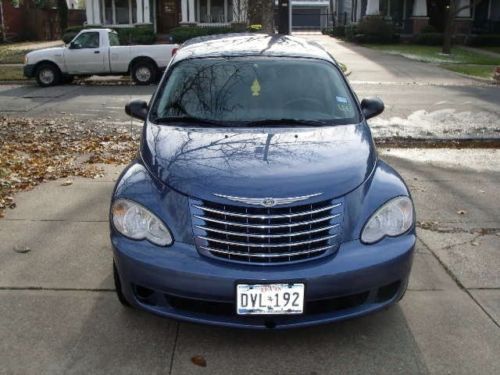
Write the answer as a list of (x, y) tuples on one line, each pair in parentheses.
[(137, 109), (372, 107), (73, 45)]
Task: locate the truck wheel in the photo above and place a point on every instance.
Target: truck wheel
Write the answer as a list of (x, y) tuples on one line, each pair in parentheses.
[(118, 288), (144, 73), (47, 75)]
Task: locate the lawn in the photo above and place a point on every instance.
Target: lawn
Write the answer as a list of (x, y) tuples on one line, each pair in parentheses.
[(11, 73), (460, 60), (9, 55), (491, 49)]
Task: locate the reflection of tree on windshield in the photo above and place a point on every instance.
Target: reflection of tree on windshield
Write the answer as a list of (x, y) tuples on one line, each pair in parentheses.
[(248, 89)]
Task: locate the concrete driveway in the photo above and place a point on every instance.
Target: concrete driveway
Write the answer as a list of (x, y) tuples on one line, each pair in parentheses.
[(59, 314)]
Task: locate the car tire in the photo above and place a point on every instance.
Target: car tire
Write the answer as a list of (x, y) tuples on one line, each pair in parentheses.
[(118, 288), (144, 73), (47, 75)]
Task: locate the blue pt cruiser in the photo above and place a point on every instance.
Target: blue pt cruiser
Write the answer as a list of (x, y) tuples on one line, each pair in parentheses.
[(257, 199)]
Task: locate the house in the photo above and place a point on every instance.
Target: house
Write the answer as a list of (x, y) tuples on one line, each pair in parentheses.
[(413, 15), (164, 15)]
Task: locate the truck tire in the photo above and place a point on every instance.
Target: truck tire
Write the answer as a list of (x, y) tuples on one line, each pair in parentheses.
[(144, 73), (47, 75)]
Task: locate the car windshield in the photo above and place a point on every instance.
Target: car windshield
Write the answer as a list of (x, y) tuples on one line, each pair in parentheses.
[(244, 90)]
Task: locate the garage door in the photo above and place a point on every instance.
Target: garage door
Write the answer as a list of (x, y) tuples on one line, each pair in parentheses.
[(306, 19)]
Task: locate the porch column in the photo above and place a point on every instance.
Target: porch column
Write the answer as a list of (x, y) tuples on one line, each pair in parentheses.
[(140, 16), (147, 12), (466, 12), (419, 8), (239, 10), (93, 12), (184, 11), (192, 12), (372, 7)]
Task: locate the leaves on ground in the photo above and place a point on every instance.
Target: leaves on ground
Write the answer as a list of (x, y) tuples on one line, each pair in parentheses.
[(33, 151), (22, 249), (199, 360)]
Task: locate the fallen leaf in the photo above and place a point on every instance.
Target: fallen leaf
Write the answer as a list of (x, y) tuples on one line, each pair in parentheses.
[(474, 243), (22, 249), (67, 183), (199, 360)]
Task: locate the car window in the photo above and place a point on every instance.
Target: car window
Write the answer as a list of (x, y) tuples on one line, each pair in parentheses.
[(87, 40), (248, 89), (113, 39)]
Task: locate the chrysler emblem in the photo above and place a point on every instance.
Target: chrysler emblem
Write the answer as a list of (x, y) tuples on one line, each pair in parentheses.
[(268, 201)]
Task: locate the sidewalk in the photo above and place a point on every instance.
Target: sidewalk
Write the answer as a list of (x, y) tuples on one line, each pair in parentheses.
[(58, 312)]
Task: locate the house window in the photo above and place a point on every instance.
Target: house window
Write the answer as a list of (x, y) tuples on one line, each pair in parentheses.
[(119, 12), (214, 11)]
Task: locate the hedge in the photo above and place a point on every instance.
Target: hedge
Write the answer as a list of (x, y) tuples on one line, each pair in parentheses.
[(490, 40), (127, 35), (429, 39), (182, 33)]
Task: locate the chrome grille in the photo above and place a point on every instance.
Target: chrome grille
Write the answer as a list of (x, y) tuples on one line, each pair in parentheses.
[(283, 234)]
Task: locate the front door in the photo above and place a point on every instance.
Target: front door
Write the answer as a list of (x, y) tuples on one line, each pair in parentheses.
[(168, 15), (86, 55)]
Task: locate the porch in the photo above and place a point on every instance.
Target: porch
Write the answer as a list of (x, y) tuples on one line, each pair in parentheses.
[(164, 15)]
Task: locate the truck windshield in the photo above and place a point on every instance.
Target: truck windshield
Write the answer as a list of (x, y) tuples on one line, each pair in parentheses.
[(244, 90)]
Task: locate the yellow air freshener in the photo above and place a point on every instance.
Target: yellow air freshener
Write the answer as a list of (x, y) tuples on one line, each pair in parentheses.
[(255, 88)]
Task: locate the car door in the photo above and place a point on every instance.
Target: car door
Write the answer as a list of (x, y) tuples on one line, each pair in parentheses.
[(86, 54)]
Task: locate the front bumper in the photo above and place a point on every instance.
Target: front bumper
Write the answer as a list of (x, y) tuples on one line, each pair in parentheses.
[(29, 70), (178, 282)]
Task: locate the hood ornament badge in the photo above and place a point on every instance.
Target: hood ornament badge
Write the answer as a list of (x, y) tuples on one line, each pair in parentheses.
[(268, 201)]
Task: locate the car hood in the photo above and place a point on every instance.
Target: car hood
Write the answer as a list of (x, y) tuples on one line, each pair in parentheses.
[(45, 52), (271, 162)]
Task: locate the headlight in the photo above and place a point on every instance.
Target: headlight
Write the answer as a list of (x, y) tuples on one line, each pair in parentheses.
[(392, 219), (134, 221)]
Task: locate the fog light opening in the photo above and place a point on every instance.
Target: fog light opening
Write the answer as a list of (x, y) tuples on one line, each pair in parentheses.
[(142, 293)]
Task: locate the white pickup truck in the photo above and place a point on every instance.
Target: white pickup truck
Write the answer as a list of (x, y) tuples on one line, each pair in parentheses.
[(97, 52)]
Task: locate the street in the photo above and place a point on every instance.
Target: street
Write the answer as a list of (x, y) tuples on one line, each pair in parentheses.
[(59, 313)]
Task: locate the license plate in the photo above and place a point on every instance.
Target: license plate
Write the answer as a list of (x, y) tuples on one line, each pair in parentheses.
[(264, 299)]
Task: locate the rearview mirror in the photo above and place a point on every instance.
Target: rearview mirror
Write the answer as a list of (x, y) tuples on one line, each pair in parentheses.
[(372, 107), (137, 109)]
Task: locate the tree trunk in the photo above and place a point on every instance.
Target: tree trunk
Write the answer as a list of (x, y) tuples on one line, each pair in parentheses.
[(448, 27), (261, 12), (268, 16)]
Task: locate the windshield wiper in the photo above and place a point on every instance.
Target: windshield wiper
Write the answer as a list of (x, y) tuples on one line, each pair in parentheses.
[(286, 121), (187, 119)]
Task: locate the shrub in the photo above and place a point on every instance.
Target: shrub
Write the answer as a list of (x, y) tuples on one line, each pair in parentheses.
[(374, 29), (255, 28), (183, 33), (136, 35), (429, 29), (350, 31), (483, 40), (429, 39)]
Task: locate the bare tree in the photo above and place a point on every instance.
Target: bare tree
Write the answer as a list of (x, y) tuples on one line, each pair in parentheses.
[(452, 11)]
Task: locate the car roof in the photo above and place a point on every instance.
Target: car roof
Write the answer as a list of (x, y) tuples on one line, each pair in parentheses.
[(251, 44)]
